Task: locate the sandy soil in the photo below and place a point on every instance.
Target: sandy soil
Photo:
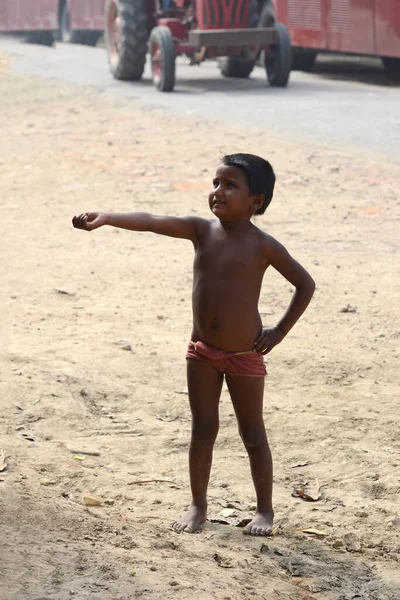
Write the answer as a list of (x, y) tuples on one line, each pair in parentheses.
[(81, 413)]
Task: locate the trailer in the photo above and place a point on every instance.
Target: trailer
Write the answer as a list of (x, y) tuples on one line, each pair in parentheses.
[(42, 21), (358, 27)]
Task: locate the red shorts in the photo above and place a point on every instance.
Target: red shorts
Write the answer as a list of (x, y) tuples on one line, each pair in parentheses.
[(248, 364)]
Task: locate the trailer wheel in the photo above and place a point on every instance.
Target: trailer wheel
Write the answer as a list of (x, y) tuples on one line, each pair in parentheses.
[(303, 60), (44, 38), (391, 64), (91, 38), (279, 59), (232, 66), (126, 35), (162, 53)]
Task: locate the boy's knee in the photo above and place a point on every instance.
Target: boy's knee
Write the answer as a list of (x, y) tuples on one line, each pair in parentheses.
[(204, 430), (253, 438)]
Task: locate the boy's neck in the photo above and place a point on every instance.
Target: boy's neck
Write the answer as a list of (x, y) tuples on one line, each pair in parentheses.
[(236, 226)]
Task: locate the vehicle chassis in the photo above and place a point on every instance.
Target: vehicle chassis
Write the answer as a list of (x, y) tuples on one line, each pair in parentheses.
[(182, 33)]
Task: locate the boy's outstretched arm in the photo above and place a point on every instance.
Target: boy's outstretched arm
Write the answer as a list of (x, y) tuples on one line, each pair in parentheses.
[(278, 257), (179, 227)]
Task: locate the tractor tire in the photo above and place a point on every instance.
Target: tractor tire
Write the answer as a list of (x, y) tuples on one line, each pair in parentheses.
[(278, 64), (162, 54), (234, 66), (303, 60), (267, 17), (126, 36), (239, 66)]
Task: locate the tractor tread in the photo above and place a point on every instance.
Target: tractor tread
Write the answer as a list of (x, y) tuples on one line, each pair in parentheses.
[(134, 37)]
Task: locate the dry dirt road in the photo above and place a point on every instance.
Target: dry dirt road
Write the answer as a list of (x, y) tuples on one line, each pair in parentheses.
[(93, 333)]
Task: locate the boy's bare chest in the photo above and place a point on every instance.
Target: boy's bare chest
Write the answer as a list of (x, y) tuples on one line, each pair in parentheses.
[(226, 257)]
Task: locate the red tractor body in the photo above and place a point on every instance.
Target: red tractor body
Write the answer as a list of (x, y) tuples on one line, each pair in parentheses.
[(237, 30)]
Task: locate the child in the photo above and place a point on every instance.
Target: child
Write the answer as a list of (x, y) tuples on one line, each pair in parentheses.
[(228, 338)]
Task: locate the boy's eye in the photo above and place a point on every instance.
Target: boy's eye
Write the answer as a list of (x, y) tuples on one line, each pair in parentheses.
[(215, 183)]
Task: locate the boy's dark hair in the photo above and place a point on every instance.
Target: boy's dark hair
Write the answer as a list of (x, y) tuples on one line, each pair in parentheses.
[(259, 174)]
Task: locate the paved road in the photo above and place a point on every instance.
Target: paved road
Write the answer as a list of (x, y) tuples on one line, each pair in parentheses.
[(360, 111)]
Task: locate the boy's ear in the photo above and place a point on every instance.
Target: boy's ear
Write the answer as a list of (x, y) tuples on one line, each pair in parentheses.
[(259, 201)]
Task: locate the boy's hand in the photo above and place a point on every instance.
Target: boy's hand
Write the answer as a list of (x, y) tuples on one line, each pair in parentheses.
[(267, 339), (89, 221)]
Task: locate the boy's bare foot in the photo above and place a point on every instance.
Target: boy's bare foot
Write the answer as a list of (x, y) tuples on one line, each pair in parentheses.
[(190, 521), (262, 524)]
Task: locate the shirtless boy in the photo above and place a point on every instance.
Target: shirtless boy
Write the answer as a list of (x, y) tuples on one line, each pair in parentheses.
[(228, 338)]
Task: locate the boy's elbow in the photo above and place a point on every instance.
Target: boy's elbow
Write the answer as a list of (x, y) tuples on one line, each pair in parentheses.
[(311, 286), (308, 285)]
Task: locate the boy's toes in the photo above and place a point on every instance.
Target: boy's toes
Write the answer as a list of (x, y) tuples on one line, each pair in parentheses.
[(247, 530), (178, 527), (261, 525)]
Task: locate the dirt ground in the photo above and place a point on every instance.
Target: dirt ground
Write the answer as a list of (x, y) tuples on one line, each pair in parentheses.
[(94, 329)]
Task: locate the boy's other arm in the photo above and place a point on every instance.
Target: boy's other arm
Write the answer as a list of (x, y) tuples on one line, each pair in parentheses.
[(178, 227), (279, 258)]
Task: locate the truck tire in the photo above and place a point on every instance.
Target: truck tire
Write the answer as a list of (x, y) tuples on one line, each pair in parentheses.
[(234, 66), (162, 53), (278, 61), (126, 36), (303, 60)]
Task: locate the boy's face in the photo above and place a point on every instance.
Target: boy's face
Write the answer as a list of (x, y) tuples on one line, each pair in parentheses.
[(230, 198)]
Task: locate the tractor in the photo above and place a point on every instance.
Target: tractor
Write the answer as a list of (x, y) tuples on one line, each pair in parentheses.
[(236, 32)]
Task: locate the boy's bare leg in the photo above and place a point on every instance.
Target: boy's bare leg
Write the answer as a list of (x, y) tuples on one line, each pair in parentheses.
[(247, 397), (204, 386)]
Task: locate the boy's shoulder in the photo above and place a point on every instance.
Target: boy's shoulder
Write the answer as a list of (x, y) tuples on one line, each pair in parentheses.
[(263, 236), (267, 242)]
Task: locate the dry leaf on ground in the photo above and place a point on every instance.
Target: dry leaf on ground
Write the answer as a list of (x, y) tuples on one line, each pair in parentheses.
[(90, 500), (310, 490)]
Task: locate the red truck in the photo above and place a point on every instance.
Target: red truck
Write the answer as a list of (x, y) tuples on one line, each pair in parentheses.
[(369, 27), (363, 27), (42, 21)]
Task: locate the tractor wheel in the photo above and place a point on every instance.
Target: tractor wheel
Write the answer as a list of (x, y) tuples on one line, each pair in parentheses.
[(162, 53), (303, 61), (278, 61), (233, 66), (126, 35), (267, 17)]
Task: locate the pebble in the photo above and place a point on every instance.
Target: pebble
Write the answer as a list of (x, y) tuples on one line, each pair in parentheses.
[(352, 542)]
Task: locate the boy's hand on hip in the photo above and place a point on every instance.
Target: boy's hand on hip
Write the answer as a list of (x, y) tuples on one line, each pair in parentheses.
[(89, 221), (267, 339)]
